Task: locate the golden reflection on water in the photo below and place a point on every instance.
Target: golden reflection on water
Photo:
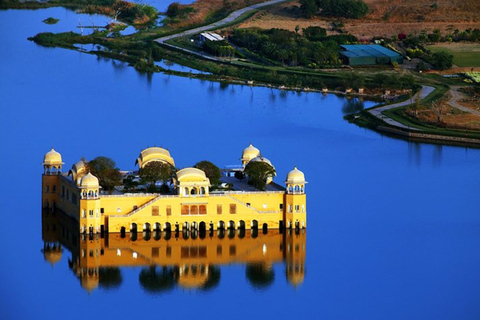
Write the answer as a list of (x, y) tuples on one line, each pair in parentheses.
[(186, 259)]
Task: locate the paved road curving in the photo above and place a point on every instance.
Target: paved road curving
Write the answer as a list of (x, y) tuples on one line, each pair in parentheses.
[(377, 112), (234, 15)]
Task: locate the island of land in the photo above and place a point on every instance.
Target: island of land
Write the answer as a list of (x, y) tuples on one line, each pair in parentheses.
[(425, 53)]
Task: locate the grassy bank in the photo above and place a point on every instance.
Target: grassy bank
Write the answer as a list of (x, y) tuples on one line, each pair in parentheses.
[(367, 120), (464, 54), (128, 12)]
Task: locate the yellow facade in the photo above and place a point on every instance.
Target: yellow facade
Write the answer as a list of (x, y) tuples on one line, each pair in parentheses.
[(193, 207)]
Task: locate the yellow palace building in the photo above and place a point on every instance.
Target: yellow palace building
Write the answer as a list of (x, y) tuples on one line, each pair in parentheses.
[(191, 206)]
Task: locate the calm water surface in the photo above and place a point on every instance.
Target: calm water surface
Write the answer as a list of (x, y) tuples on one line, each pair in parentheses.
[(394, 227)]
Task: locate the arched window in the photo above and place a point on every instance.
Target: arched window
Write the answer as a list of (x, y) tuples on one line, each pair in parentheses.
[(194, 191), (290, 189), (186, 192), (194, 209), (297, 188)]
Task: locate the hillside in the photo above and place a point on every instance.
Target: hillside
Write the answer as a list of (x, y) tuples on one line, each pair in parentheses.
[(386, 17)]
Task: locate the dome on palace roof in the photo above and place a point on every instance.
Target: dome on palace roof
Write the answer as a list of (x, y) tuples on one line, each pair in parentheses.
[(154, 154), (52, 158), (78, 170), (89, 181), (295, 177), (249, 153), (191, 174), (262, 159)]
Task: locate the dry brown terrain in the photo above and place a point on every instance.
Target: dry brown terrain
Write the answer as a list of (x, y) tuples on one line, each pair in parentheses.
[(386, 17), (459, 110), (450, 118), (205, 8)]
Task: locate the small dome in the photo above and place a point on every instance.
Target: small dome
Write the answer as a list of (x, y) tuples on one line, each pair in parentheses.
[(52, 158), (154, 154), (78, 170), (89, 181), (295, 177), (262, 159), (249, 153), (191, 174)]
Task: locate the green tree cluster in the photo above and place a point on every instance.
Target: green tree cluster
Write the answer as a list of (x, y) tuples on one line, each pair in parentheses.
[(211, 171), (287, 47), (219, 48), (106, 171), (442, 60), (156, 171), (258, 172), (354, 9), (353, 80), (413, 40), (177, 10), (314, 33), (393, 81)]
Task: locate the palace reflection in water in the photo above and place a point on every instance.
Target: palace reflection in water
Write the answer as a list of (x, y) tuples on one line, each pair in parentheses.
[(186, 259)]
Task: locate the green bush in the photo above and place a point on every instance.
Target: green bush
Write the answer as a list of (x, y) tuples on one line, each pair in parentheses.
[(442, 60), (354, 9)]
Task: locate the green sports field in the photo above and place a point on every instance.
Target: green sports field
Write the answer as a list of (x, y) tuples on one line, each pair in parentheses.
[(464, 55)]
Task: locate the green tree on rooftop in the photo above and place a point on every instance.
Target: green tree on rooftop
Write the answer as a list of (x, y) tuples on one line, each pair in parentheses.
[(106, 171)]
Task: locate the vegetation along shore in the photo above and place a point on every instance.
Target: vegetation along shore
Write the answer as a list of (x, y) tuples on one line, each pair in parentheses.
[(354, 47)]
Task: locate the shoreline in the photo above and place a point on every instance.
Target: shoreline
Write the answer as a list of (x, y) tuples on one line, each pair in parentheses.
[(236, 73)]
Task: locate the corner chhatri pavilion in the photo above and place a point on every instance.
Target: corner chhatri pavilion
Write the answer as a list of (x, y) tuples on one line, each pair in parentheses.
[(191, 206)]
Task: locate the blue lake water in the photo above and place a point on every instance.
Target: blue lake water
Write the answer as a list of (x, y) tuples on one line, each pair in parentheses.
[(393, 227)]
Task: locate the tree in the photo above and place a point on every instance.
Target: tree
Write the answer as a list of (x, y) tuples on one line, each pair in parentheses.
[(258, 172), (173, 9), (211, 171), (442, 60), (129, 184), (106, 171), (313, 33), (309, 8), (156, 171), (343, 8), (436, 36)]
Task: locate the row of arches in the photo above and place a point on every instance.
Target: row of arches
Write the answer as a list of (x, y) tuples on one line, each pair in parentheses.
[(52, 170), (296, 188), (193, 191), (194, 229), (197, 226), (90, 194)]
